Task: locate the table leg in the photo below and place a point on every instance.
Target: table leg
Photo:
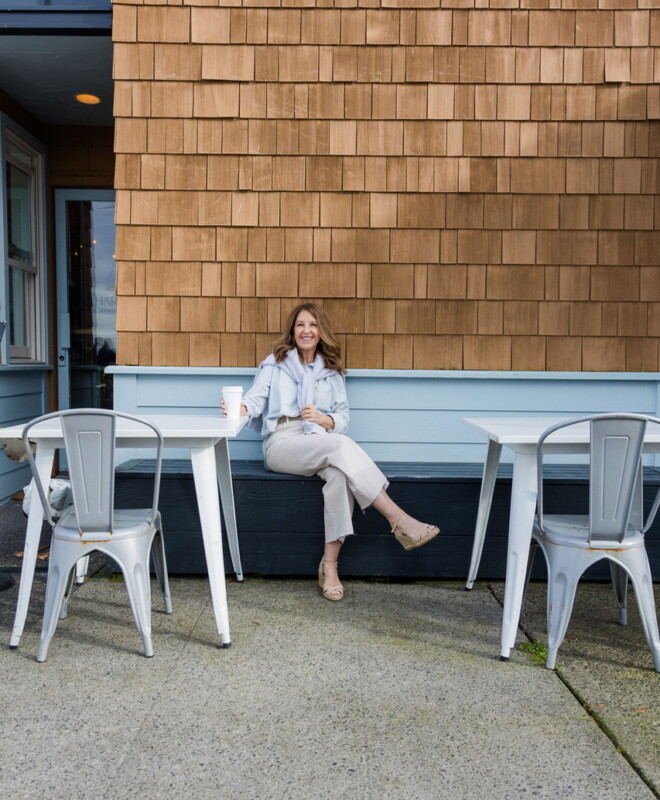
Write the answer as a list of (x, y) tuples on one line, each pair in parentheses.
[(485, 499), (523, 508), (206, 488), (44, 461), (228, 507)]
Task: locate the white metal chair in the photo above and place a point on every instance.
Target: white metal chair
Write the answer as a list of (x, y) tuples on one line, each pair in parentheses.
[(126, 535), (613, 530)]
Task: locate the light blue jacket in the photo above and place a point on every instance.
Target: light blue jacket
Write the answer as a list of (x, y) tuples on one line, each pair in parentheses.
[(274, 394)]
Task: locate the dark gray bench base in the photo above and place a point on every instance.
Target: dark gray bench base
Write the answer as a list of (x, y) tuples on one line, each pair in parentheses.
[(280, 519)]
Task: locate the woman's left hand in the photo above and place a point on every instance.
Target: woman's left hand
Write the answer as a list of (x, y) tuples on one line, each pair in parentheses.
[(312, 414)]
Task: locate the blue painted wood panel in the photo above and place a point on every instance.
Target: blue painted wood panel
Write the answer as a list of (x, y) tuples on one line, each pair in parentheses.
[(23, 396), (405, 415)]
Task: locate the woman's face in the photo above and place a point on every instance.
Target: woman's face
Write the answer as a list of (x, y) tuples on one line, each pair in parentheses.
[(306, 335)]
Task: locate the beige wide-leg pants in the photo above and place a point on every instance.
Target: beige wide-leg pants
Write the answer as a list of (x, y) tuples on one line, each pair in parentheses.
[(348, 472)]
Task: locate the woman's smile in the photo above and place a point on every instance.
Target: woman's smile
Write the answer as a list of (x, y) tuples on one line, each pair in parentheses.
[(306, 335)]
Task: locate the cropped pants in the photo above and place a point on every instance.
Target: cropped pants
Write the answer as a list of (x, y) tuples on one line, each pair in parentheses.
[(348, 472)]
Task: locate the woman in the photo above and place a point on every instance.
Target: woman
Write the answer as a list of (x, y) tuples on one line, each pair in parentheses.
[(298, 402)]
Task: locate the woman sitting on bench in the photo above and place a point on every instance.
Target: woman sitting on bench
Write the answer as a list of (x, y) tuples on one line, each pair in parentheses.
[(297, 399)]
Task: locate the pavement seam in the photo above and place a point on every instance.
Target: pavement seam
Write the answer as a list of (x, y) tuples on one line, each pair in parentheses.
[(599, 721), (605, 729)]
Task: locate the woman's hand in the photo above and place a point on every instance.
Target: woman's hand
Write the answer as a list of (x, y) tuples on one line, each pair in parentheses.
[(311, 413), (223, 408)]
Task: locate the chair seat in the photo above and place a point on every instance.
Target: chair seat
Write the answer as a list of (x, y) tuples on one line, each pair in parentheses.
[(572, 530), (127, 522)]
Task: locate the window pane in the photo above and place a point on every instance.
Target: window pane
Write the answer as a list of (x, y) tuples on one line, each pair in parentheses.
[(19, 214), (92, 301), (18, 293)]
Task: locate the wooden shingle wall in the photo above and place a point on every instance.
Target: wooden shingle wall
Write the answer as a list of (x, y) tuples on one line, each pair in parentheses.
[(461, 186)]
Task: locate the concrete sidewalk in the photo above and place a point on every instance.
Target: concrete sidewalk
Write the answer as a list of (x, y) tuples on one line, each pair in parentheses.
[(396, 692)]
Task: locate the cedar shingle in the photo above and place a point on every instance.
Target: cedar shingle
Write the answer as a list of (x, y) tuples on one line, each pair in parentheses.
[(208, 25), (489, 27)]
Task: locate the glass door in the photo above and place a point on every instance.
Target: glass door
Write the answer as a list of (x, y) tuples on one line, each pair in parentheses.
[(86, 298)]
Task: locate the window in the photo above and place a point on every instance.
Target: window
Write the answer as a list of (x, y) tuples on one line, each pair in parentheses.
[(23, 215)]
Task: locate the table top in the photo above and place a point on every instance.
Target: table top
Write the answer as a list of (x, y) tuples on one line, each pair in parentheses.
[(527, 430), (172, 426)]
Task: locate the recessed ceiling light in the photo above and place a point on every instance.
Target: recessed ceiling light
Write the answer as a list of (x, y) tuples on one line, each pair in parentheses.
[(88, 99)]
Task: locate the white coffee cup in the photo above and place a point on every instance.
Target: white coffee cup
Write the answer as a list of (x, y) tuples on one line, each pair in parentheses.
[(232, 395)]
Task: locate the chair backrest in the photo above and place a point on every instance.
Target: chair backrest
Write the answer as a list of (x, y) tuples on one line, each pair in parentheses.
[(615, 482), (616, 461), (90, 448), (89, 440)]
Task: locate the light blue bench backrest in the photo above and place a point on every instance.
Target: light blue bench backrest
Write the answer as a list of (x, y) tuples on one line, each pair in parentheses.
[(404, 415)]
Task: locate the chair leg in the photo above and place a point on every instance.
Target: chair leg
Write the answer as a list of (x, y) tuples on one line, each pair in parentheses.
[(133, 558), (160, 566), (564, 572), (64, 610), (640, 575), (82, 567), (60, 571), (620, 589)]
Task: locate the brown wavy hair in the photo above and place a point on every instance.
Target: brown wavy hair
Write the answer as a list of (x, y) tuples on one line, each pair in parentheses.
[(328, 347)]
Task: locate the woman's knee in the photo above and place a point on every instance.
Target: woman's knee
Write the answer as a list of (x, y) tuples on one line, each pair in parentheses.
[(344, 446)]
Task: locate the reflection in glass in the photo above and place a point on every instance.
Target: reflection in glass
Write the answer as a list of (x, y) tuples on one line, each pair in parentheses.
[(18, 294), (19, 215), (92, 301)]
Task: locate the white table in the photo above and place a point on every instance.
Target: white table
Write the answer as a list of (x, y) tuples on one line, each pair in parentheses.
[(206, 438), (521, 435)]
